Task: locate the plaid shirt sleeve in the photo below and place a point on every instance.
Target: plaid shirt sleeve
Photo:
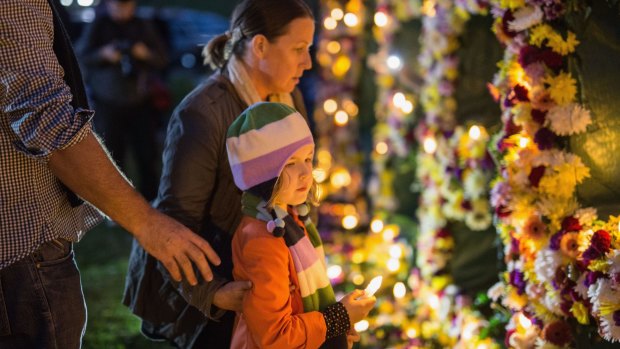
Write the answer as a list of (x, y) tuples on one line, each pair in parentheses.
[(36, 101)]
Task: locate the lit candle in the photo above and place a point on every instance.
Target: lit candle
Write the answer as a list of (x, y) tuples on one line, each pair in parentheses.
[(373, 286)]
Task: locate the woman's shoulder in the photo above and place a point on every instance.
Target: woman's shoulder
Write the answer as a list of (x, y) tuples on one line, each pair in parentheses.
[(215, 89), (211, 97)]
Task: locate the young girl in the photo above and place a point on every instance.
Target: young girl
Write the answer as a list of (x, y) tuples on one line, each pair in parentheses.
[(276, 246)]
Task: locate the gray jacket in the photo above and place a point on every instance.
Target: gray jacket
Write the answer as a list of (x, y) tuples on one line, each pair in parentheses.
[(197, 189)]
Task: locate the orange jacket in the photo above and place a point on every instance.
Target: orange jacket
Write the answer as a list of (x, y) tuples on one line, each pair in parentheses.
[(273, 316)]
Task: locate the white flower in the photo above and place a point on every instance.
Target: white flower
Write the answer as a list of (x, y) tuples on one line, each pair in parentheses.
[(551, 300), (610, 331), (546, 263), (543, 344), (614, 262), (526, 17), (581, 288), (586, 216), (496, 291), (605, 299), (475, 184), (593, 294), (568, 119), (479, 218), (525, 340)]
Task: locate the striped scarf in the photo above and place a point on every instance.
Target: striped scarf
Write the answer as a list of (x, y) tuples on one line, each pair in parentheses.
[(306, 251)]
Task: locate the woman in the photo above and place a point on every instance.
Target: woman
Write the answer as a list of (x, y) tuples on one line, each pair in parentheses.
[(260, 58)]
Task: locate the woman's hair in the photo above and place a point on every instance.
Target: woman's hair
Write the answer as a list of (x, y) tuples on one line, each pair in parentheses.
[(250, 18), (314, 194)]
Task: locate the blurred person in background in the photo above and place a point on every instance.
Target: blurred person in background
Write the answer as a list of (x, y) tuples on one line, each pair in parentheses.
[(261, 58), (123, 55)]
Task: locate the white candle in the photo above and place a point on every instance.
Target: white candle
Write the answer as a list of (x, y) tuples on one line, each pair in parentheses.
[(373, 286)]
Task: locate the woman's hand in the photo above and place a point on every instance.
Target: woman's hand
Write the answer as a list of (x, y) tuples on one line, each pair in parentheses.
[(230, 296), (357, 308)]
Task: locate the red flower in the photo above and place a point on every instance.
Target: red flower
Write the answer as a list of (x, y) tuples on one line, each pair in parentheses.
[(539, 116), (535, 175), (521, 93), (552, 60), (599, 246), (558, 333), (571, 223), (601, 240)]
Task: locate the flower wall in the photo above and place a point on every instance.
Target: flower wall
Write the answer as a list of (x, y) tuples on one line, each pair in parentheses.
[(560, 288), (561, 282)]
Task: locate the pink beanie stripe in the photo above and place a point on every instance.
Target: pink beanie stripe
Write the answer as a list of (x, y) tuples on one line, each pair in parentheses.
[(265, 167)]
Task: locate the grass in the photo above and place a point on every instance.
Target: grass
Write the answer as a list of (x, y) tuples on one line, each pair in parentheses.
[(102, 258)]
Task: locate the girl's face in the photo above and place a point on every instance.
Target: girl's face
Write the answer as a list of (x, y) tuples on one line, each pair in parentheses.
[(296, 178), (286, 58)]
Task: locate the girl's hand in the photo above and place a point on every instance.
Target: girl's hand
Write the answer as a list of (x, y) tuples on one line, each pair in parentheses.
[(357, 308), (352, 337)]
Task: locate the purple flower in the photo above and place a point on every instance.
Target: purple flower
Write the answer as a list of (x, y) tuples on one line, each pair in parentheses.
[(518, 280), (616, 317), (555, 240), (591, 278), (544, 138)]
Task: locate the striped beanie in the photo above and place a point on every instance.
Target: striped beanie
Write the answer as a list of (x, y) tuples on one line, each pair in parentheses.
[(260, 142)]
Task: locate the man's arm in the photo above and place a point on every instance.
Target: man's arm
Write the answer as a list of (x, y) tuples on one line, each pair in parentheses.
[(87, 170)]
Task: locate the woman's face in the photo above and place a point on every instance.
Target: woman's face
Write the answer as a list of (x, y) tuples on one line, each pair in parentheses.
[(296, 178), (287, 57)]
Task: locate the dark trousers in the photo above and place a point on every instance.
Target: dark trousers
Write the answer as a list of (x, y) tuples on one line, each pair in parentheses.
[(41, 300), (126, 128)]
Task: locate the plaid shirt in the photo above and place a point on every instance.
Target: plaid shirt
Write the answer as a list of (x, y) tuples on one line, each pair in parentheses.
[(36, 119)]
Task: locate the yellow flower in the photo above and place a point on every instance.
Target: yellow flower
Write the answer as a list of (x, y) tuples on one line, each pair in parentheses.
[(601, 265), (512, 4), (438, 283), (557, 185), (539, 33), (516, 74), (580, 312), (561, 46), (562, 88)]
